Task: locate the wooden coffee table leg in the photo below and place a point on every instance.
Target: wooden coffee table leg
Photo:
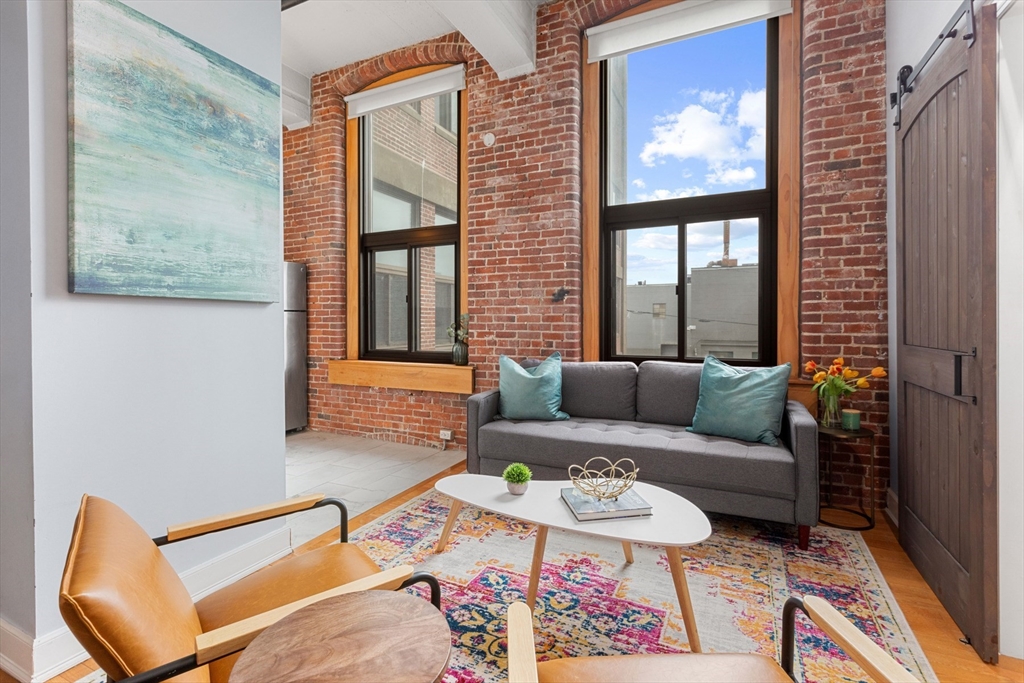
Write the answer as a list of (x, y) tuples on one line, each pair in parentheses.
[(675, 562), (538, 560), (453, 514), (628, 550)]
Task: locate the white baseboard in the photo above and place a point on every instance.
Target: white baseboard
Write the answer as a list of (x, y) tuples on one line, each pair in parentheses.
[(892, 507), (34, 661)]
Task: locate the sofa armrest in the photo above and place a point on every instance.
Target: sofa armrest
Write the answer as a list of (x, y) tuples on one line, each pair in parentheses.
[(480, 409), (800, 434)]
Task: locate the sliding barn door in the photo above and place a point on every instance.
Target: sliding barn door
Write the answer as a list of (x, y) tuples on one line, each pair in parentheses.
[(946, 232)]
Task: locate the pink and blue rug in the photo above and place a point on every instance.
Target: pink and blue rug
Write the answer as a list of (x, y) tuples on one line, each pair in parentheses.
[(590, 602)]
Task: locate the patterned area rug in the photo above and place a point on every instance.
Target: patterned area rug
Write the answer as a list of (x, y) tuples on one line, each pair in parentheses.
[(590, 602)]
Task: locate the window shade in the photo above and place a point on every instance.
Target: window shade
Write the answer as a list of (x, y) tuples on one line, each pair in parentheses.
[(686, 19), (431, 84)]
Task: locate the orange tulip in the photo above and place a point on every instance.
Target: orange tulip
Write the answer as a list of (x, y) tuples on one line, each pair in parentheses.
[(838, 361), (820, 376), (862, 383), (810, 367), (879, 372), (850, 374), (835, 370)]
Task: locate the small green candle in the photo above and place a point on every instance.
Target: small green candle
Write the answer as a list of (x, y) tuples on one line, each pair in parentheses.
[(851, 419)]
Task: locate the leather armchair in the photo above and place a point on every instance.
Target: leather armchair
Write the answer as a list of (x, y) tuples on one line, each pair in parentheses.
[(698, 668), (126, 605)]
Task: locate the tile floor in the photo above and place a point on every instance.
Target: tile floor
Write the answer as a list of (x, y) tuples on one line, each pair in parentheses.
[(361, 472)]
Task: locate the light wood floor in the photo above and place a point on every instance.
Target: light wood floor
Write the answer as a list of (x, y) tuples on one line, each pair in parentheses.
[(953, 661)]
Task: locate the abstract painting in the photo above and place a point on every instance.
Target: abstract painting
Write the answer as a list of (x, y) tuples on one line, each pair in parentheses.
[(174, 163)]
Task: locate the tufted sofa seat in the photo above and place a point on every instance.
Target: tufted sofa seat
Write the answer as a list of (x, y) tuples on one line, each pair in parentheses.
[(619, 410)]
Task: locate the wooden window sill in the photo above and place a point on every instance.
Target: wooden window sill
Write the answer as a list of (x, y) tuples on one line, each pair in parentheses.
[(440, 377)]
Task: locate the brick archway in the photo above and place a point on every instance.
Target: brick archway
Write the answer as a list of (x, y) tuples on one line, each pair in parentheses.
[(449, 49)]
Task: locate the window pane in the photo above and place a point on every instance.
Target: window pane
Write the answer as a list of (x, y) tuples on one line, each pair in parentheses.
[(390, 308), (435, 296), (413, 166), (722, 289), (646, 303), (687, 118)]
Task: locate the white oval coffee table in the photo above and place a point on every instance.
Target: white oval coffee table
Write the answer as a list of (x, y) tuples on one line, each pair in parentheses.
[(674, 524)]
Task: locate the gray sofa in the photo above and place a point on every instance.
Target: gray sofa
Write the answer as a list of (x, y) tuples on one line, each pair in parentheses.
[(620, 410)]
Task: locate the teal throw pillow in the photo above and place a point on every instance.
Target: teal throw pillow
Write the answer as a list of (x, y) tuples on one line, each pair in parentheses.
[(531, 393), (741, 404)]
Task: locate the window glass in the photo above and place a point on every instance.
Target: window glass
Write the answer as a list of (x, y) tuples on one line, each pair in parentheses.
[(413, 167), (722, 289), (446, 111), (645, 301), (434, 296), (687, 119), (390, 304)]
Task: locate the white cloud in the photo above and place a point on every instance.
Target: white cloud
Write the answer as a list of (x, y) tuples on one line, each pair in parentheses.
[(654, 240), (639, 182), (730, 176), (711, 132), (671, 194)]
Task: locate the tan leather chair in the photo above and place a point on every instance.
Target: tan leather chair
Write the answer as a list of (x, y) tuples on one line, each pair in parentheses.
[(128, 608), (523, 666)]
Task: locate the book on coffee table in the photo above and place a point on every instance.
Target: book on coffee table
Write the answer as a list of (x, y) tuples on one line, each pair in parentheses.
[(588, 508)]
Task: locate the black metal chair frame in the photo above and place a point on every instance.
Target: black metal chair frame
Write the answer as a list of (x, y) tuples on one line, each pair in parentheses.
[(180, 666)]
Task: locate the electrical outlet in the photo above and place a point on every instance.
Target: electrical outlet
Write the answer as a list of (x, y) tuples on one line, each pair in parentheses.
[(446, 435)]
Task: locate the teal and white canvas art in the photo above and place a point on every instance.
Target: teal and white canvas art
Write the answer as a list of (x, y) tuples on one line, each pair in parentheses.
[(174, 163)]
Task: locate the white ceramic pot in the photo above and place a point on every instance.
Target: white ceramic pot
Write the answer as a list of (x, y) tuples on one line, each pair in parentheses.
[(517, 489)]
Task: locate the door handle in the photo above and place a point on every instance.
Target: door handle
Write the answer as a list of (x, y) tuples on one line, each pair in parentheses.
[(958, 374)]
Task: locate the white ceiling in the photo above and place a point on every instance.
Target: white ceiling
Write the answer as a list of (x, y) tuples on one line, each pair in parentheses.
[(321, 35)]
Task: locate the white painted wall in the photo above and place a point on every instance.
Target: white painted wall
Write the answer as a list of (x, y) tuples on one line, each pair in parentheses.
[(1010, 191), (17, 569), (910, 29), (174, 409)]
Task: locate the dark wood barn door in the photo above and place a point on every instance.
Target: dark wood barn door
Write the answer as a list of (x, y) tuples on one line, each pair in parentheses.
[(946, 232)]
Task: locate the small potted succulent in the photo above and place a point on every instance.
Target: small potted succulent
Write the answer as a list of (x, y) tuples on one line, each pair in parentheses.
[(517, 477)]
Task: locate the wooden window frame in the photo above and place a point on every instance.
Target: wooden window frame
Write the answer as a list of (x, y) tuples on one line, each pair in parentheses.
[(414, 376), (787, 181), (356, 264)]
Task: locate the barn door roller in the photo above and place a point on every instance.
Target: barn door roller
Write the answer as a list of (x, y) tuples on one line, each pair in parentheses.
[(907, 74)]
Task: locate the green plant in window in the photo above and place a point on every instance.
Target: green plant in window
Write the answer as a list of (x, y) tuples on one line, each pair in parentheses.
[(517, 473), (459, 330)]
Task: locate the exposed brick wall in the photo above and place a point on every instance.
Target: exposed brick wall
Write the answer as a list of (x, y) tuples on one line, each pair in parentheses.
[(524, 213), (844, 285)]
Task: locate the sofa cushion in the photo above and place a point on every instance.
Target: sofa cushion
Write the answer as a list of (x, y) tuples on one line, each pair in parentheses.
[(745, 403), (666, 392), (663, 453), (602, 389), (533, 393)]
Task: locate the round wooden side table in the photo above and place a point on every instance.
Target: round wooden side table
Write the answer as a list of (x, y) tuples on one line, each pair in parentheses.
[(368, 636), (834, 434)]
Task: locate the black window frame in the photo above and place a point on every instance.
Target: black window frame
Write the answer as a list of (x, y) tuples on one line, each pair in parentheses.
[(762, 204), (409, 239)]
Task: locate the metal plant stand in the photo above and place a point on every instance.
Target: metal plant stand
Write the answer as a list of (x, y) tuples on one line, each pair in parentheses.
[(833, 435)]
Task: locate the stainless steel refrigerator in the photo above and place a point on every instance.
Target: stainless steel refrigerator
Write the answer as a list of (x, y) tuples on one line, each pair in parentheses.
[(295, 399)]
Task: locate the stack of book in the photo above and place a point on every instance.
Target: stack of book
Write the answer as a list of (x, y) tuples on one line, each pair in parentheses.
[(588, 508)]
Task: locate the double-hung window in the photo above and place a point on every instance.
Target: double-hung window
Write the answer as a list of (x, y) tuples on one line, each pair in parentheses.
[(688, 184), (409, 245)]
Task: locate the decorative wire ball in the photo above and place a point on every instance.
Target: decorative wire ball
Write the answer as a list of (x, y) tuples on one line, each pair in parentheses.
[(608, 482)]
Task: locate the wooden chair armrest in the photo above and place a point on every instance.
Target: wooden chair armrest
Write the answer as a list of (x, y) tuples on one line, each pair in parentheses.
[(234, 637), (873, 659), (247, 516), (522, 658)]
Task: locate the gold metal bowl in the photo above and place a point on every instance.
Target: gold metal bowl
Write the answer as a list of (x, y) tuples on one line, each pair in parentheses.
[(608, 482)]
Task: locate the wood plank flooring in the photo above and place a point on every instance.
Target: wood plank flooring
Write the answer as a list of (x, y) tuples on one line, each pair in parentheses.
[(953, 661)]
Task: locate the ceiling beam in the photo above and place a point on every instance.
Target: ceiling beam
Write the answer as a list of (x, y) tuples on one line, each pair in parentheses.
[(503, 31), (288, 4)]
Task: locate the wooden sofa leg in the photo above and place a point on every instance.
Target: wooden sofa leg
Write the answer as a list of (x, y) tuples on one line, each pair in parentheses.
[(805, 536)]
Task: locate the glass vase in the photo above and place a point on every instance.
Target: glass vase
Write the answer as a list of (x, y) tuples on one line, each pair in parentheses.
[(460, 353), (830, 414)]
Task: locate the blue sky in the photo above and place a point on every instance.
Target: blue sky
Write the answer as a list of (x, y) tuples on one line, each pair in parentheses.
[(695, 126)]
